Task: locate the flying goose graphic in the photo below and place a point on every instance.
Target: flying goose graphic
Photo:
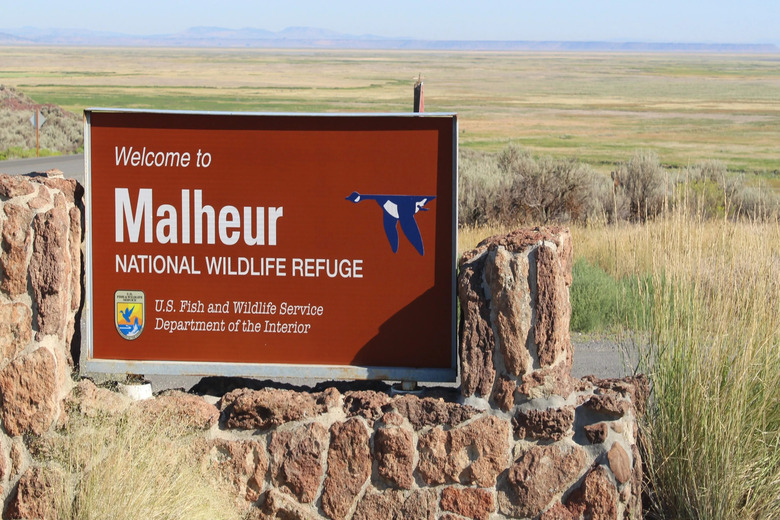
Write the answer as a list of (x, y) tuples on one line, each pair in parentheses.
[(126, 313), (395, 209)]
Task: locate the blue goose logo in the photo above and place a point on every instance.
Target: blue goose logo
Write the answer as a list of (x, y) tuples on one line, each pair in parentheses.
[(395, 209)]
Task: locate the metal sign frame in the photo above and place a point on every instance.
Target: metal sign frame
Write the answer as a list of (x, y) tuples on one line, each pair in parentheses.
[(264, 370)]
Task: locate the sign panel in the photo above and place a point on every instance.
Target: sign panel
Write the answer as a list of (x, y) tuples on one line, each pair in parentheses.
[(271, 245)]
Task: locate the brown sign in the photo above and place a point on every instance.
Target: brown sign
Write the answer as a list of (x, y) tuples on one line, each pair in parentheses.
[(259, 240)]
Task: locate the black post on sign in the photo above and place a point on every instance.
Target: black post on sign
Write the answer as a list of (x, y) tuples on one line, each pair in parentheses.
[(419, 105)]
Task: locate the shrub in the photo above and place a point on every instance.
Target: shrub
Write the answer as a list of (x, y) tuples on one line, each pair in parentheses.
[(641, 180)]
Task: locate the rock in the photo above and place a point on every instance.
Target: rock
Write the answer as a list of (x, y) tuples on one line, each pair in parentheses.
[(596, 433), (476, 346), (510, 308), (635, 388), (15, 186), (558, 512), (504, 394), (50, 270), (349, 467), (16, 240), (280, 506), (541, 473), (190, 410), (36, 495), (553, 311), (596, 498), (28, 386), (514, 294), (469, 502), (619, 463), (259, 409), (93, 401), (296, 460), (429, 411), (75, 238), (15, 329), (394, 452), (547, 382), (396, 505), (610, 405), (365, 403), (550, 424), (242, 463), (474, 454)]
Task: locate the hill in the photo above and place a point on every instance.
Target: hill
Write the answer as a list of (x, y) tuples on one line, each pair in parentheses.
[(62, 131), (316, 38)]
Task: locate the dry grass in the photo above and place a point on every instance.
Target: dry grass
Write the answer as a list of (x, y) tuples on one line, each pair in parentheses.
[(596, 107), (126, 467)]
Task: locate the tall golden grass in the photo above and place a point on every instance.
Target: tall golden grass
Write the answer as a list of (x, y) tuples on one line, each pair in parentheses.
[(127, 466)]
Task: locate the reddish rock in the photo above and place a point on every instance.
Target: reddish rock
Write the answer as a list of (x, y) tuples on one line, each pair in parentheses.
[(365, 403), (609, 404), (474, 454), (16, 240), (69, 187), (510, 307), (476, 346), (537, 477), (619, 463), (469, 502), (553, 311), (15, 186), (430, 411), (36, 494), (296, 460), (28, 389), (279, 505), (596, 498), (635, 388), (191, 410), (550, 424), (349, 467), (15, 329), (394, 452), (50, 270), (93, 401), (558, 512), (75, 238), (269, 407), (397, 505), (243, 464), (547, 382), (596, 433), (504, 394)]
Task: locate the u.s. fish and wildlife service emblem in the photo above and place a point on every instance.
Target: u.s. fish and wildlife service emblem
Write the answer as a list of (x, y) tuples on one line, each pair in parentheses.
[(129, 316)]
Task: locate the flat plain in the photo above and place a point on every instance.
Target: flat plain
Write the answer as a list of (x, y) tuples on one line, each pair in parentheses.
[(597, 107)]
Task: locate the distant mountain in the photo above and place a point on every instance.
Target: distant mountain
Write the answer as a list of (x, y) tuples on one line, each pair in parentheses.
[(317, 38)]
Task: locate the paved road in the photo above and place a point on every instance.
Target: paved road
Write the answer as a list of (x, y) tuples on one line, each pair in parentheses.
[(598, 357), (70, 165)]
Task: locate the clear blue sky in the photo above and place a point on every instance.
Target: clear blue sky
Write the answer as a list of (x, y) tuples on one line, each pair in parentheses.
[(708, 21)]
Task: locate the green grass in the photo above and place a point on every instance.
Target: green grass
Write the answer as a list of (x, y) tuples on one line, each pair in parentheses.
[(601, 303)]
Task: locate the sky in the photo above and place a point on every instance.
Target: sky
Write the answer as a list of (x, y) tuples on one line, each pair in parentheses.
[(684, 21)]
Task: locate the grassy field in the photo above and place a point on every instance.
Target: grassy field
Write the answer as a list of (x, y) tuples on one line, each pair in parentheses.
[(599, 108)]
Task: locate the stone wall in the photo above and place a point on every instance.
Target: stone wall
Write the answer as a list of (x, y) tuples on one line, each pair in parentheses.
[(520, 438), (40, 296)]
